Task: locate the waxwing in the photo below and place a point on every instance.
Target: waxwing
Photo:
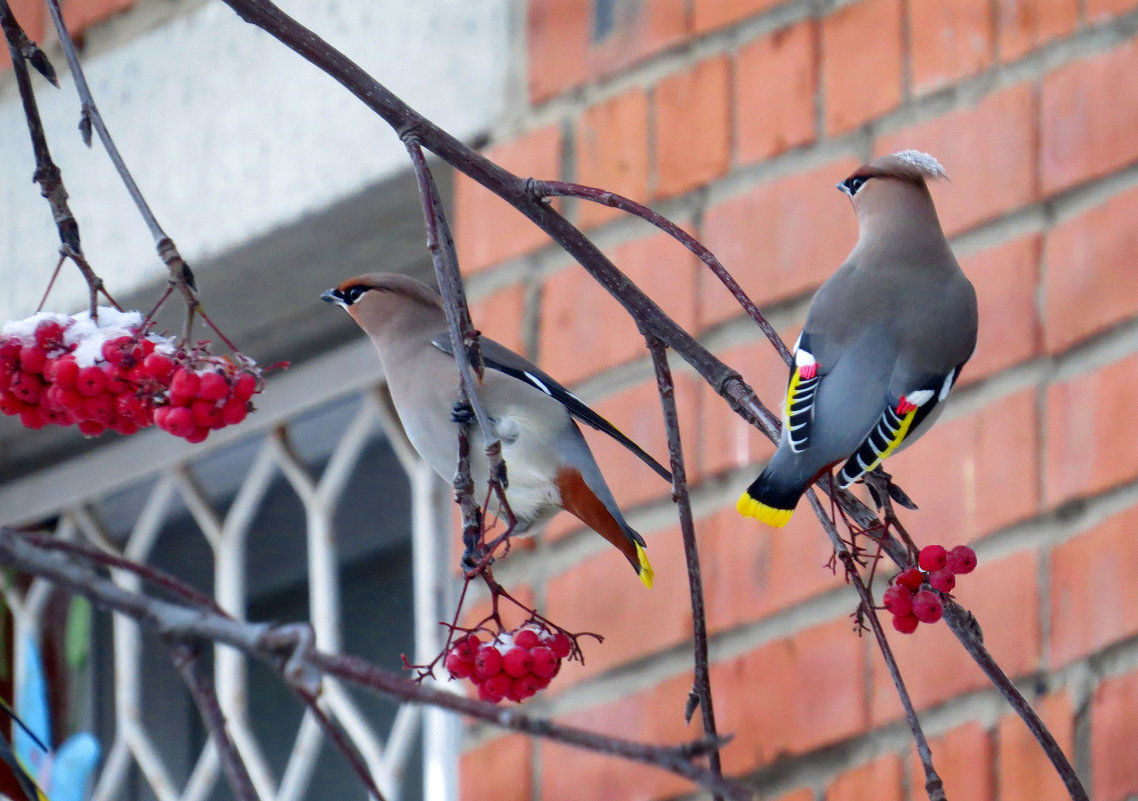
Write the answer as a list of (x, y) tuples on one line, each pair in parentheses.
[(883, 344), (549, 464)]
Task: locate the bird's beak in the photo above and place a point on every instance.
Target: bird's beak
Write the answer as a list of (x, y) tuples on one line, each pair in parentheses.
[(329, 296), (844, 189)]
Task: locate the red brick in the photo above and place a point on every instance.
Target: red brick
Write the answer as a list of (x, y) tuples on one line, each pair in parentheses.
[(692, 127), (612, 152), (500, 316), (963, 758), (654, 716), (1005, 278), (1114, 730), (773, 115), (489, 230), (780, 239), (751, 571), (803, 794), (1094, 600), (964, 142), (712, 14), (1024, 25), (1091, 429), (1099, 9), (949, 41), (79, 15), (1089, 282), (975, 474), (557, 41), (828, 671), (861, 81), (1086, 123), (603, 595), (727, 441), (806, 689), (32, 18), (637, 412), (879, 780), (936, 667), (1025, 771), (500, 769), (584, 330), (639, 30)]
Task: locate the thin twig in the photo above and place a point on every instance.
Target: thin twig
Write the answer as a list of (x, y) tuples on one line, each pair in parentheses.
[(180, 273), (341, 741), (701, 687), (613, 200), (201, 688)]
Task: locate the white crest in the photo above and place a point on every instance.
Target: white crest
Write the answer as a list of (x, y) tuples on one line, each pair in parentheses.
[(923, 162)]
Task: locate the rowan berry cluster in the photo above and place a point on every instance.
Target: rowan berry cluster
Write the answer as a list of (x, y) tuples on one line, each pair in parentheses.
[(514, 666), (111, 373), (911, 597)]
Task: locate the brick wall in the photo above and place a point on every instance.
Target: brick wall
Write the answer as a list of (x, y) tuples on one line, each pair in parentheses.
[(736, 119)]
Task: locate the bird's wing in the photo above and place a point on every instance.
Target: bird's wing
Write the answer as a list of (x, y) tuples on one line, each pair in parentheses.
[(900, 421), (801, 390), (499, 357)]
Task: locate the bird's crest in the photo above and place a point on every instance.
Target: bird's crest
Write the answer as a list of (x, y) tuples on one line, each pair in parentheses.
[(906, 165)]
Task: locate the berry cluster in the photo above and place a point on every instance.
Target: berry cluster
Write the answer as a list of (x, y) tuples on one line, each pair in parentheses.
[(111, 373), (514, 666), (910, 602)]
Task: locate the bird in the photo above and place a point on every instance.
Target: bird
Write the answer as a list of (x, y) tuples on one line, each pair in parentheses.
[(550, 466), (883, 344)]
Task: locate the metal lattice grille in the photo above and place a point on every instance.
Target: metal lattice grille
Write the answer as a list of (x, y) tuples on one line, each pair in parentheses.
[(278, 464)]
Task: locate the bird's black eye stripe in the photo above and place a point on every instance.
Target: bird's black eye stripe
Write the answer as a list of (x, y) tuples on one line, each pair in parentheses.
[(855, 183), (352, 293)]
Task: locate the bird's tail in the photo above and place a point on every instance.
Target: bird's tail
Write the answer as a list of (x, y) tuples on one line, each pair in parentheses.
[(769, 500)]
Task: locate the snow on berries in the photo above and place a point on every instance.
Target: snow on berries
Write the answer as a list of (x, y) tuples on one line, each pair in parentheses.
[(113, 373), (915, 594), (513, 666)]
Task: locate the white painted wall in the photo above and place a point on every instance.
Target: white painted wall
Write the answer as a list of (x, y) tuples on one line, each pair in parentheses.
[(231, 135)]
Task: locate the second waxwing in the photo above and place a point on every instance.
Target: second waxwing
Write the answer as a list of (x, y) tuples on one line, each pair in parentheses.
[(549, 464), (884, 341)]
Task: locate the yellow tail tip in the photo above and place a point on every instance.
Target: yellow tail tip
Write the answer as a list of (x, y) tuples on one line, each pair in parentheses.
[(645, 571), (749, 507)]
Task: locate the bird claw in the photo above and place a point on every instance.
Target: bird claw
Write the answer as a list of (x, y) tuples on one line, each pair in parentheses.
[(462, 413)]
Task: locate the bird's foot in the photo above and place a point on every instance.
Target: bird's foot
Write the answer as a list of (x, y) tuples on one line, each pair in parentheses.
[(462, 413)]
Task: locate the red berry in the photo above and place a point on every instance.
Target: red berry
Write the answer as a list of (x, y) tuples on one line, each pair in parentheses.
[(898, 600), (516, 661), (197, 435), (91, 429), (544, 662), (48, 334), (129, 407), (943, 580), (115, 350), (70, 399), (158, 366), (10, 404), (180, 422), (100, 408), (185, 383), (488, 662), (927, 606), (115, 383), (524, 687), (234, 411), (206, 414), (561, 645), (467, 646), (933, 557), (30, 417), (162, 417), (244, 386), (906, 624), (910, 579), (7, 372), (32, 359), (213, 386), (90, 381), (495, 688), (10, 350), (458, 667), (527, 638), (961, 560), (62, 372), (26, 387)]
